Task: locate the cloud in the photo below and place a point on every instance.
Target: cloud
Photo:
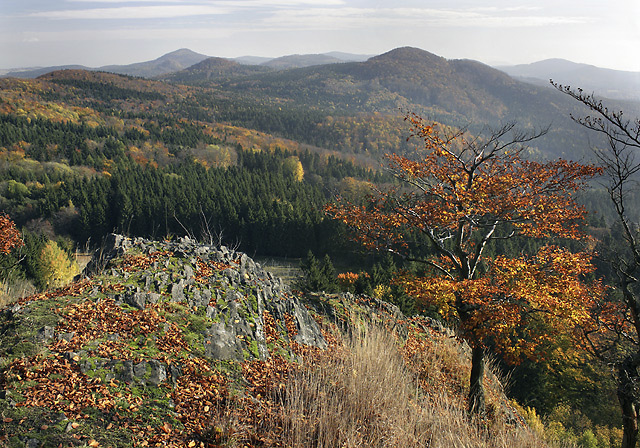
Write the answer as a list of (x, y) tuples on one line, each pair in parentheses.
[(163, 9), (122, 34), (134, 12), (351, 18), (237, 4)]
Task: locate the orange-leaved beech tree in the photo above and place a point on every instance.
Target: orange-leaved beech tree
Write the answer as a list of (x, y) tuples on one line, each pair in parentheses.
[(9, 235), (459, 195)]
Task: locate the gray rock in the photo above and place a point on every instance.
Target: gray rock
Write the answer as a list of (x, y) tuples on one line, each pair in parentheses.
[(158, 373), (195, 297), (66, 336), (175, 371), (308, 330), (148, 281), (126, 373), (46, 333), (140, 370), (177, 291), (136, 300), (237, 297), (212, 312), (188, 272), (221, 343), (202, 250), (33, 443)]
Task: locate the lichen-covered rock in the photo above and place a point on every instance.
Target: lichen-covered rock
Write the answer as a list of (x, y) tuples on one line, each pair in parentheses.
[(152, 299), (231, 289), (163, 326)]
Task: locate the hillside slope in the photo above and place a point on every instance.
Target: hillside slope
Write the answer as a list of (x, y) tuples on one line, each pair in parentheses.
[(215, 70), (615, 84), (182, 344), (459, 93)]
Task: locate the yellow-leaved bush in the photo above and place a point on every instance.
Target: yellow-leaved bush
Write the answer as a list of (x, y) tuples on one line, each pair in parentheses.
[(59, 267)]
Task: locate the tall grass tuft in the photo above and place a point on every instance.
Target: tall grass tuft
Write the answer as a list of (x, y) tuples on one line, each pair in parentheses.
[(371, 395)]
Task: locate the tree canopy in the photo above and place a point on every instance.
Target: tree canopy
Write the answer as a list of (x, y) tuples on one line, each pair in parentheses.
[(460, 194)]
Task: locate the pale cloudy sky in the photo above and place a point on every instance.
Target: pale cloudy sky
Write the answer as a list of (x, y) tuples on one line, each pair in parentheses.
[(100, 32)]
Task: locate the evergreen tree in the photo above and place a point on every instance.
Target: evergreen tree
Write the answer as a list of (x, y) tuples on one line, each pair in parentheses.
[(317, 276)]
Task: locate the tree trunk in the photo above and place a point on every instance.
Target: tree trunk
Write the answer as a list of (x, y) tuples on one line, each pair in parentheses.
[(477, 404), (627, 384)]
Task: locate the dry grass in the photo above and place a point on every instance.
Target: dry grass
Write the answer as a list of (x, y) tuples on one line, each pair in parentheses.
[(370, 392), (363, 398), (13, 290)]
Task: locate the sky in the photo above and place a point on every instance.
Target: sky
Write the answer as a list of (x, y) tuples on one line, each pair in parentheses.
[(605, 33)]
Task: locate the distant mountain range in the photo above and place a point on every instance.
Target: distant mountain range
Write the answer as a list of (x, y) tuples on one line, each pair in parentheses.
[(301, 97), (170, 62), (603, 82), (184, 58), (461, 93)]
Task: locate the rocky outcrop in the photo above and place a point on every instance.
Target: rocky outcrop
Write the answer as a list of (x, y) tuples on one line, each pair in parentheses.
[(227, 286), (210, 302)]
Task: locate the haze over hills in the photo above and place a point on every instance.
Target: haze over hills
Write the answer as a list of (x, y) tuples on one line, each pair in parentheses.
[(297, 61), (308, 60), (603, 82), (460, 93), (34, 72), (214, 69), (169, 63), (184, 58)]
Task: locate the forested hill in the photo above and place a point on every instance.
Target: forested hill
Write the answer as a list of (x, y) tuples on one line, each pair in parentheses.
[(215, 69), (460, 93), (83, 154), (91, 152)]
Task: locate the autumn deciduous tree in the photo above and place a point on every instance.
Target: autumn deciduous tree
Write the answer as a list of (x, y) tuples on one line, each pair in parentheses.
[(458, 195), (59, 268), (293, 167), (9, 235), (614, 335), (9, 239)]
